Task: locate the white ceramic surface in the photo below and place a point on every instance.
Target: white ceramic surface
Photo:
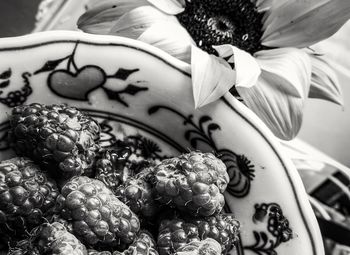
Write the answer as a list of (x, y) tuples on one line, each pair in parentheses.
[(133, 88)]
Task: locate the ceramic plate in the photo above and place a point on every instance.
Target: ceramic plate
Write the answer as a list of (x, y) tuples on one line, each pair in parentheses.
[(136, 90)]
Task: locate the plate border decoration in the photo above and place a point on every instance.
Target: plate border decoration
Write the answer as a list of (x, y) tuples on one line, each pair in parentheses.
[(156, 53)]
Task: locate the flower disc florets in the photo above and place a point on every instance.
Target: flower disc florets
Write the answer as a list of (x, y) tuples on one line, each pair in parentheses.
[(235, 22)]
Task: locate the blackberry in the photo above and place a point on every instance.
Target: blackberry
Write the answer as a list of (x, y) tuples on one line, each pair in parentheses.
[(59, 137)]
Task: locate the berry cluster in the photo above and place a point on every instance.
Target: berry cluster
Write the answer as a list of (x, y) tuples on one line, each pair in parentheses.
[(63, 194)]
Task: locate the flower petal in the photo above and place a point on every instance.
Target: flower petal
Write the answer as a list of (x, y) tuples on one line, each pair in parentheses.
[(270, 100), (263, 5), (324, 81), (170, 37), (172, 7), (246, 67), (303, 23), (291, 66), (102, 15), (212, 77), (132, 24)]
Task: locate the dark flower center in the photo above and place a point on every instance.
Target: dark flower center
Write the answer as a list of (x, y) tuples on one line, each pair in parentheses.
[(217, 22)]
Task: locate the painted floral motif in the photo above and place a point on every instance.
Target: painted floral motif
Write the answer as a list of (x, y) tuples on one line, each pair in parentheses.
[(240, 169), (139, 145), (66, 79), (15, 97), (277, 226)]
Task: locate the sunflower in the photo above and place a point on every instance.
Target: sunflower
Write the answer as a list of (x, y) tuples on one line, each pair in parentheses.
[(257, 49)]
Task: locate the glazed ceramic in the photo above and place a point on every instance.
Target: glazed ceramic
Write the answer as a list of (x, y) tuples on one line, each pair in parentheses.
[(136, 90)]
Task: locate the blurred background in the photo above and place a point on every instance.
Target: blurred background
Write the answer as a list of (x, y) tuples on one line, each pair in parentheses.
[(321, 151)]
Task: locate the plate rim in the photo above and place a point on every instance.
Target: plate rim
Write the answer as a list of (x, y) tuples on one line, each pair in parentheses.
[(50, 37)]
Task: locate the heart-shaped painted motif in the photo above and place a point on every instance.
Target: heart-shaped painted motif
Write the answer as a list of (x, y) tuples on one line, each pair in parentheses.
[(76, 85)]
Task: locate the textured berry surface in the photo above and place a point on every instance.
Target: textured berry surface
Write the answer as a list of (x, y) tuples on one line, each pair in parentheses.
[(57, 136), (27, 195), (50, 239), (110, 167), (192, 182), (97, 215), (205, 247), (144, 244), (94, 252), (137, 193), (176, 233)]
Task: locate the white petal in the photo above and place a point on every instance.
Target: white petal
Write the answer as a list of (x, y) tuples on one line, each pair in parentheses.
[(324, 81), (212, 77), (303, 23), (291, 66), (263, 5), (169, 6), (246, 67), (279, 110), (133, 23), (102, 15), (95, 3), (170, 37)]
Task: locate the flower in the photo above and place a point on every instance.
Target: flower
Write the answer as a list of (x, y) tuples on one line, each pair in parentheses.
[(257, 48)]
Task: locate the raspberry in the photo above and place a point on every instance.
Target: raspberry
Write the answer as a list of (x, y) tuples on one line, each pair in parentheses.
[(27, 195), (176, 233), (144, 244), (94, 252), (98, 217), (192, 182), (137, 193), (206, 247), (57, 136), (67, 224), (49, 239)]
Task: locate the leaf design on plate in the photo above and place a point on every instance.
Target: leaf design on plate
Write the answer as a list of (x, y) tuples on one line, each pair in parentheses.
[(154, 109), (133, 89), (4, 84), (130, 89), (50, 65), (213, 127), (193, 143), (203, 119), (6, 74), (264, 237), (123, 74), (256, 236)]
